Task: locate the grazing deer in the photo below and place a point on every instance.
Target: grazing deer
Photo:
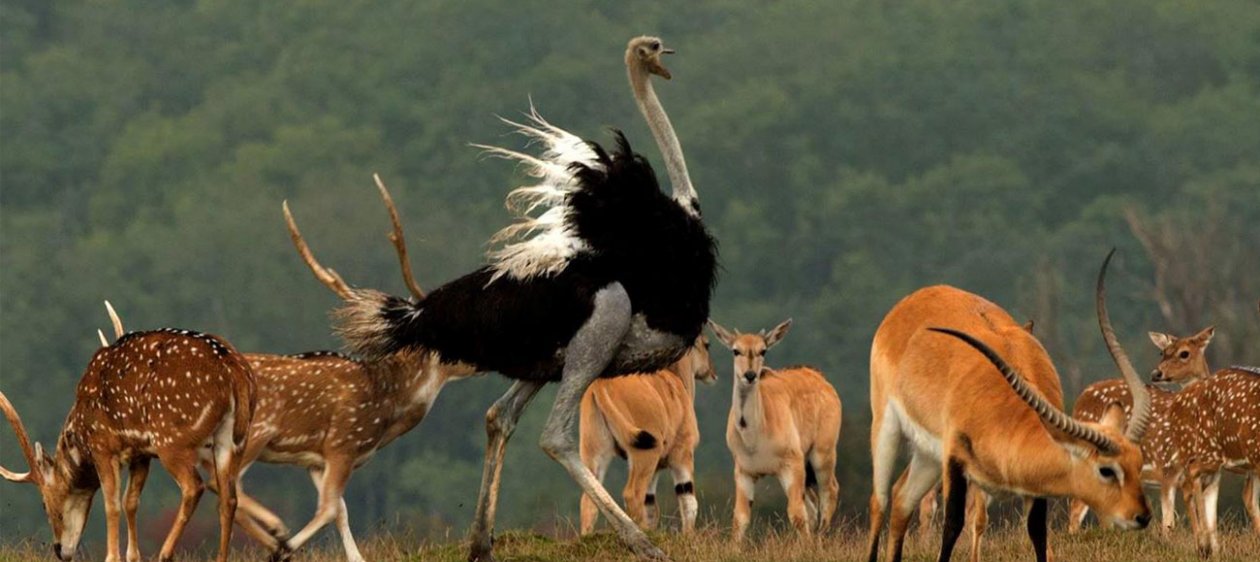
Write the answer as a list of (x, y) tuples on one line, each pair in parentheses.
[(180, 396), (1158, 445), (957, 409), (1219, 415), (783, 422), (330, 413), (649, 420)]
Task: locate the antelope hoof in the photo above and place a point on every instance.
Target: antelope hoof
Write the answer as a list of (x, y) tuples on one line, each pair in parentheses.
[(282, 553)]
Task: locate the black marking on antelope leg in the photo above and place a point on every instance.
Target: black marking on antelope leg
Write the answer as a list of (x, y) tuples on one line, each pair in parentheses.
[(620, 452), (684, 488), (742, 423), (1037, 527), (643, 441), (650, 499), (955, 507), (811, 479)]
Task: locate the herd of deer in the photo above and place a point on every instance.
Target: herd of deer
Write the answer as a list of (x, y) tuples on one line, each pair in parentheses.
[(971, 391)]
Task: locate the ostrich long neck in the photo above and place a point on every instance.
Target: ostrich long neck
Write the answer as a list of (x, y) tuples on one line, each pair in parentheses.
[(663, 131)]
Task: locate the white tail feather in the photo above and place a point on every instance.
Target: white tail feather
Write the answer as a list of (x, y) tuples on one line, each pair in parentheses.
[(544, 243)]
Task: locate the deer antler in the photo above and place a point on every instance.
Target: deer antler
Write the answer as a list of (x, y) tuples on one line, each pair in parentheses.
[(100, 334), (33, 476), (1141, 397), (113, 317), (326, 276), (400, 245)]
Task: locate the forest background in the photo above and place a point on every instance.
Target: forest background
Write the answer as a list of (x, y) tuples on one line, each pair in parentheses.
[(846, 153)]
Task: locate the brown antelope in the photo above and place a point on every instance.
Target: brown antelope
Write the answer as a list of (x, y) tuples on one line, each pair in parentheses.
[(964, 422), (180, 396), (1158, 445), (330, 413), (783, 422), (978, 502), (1219, 415), (650, 420)]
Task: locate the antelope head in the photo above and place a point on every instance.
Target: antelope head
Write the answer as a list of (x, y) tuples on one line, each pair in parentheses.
[(697, 362), (1182, 360), (750, 350), (65, 483)]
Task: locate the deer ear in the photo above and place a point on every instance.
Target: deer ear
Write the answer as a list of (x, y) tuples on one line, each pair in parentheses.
[(724, 335), (1028, 326), (776, 335), (1114, 417), (1161, 340), (1206, 335)]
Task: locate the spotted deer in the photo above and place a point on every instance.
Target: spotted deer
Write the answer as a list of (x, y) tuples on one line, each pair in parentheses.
[(179, 396), (330, 413), (1217, 416), (649, 420), (785, 423), (992, 419)]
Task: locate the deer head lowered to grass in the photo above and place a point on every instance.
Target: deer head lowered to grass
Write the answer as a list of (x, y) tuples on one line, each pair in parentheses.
[(180, 396)]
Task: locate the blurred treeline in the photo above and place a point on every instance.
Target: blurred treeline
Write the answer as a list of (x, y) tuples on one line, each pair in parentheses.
[(846, 153)]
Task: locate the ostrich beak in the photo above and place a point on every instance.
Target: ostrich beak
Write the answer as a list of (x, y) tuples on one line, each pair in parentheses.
[(655, 67)]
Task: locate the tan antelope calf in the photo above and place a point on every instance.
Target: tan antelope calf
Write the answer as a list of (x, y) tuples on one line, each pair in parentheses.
[(180, 396), (995, 420), (649, 420), (783, 422), (1218, 418), (330, 413)]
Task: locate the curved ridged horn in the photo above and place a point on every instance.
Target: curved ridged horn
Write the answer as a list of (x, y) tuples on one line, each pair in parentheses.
[(34, 476), (1141, 397), (1051, 415)]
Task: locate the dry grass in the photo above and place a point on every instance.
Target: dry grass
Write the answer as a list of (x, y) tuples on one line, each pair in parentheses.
[(712, 544)]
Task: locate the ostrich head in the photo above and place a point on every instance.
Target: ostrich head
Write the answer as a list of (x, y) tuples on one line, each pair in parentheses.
[(645, 51)]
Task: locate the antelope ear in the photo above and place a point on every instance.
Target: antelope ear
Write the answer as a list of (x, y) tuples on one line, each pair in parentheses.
[(724, 335), (776, 334), (1161, 340), (1114, 417)]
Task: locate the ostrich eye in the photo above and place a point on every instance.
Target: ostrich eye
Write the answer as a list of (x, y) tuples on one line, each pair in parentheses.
[(656, 45)]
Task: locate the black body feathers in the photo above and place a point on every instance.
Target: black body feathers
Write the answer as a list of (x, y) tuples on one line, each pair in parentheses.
[(519, 326)]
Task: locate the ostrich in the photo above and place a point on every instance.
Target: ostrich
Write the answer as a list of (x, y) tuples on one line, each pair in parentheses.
[(612, 277)]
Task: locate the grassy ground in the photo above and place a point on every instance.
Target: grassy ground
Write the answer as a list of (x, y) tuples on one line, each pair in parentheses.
[(848, 543)]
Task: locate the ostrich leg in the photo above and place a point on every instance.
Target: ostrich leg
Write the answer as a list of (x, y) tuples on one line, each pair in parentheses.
[(586, 357), (500, 423)]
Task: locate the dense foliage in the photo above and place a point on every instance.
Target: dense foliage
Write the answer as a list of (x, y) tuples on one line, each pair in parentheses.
[(845, 153)]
